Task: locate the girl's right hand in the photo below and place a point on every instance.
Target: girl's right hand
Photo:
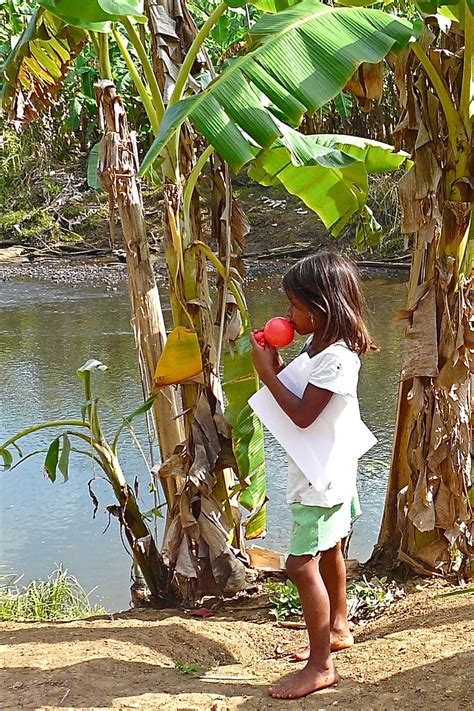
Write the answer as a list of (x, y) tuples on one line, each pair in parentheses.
[(265, 357)]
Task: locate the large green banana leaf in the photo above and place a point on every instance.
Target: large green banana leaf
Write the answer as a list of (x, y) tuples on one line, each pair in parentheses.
[(329, 173), (37, 66), (94, 14), (301, 58), (453, 9), (270, 5), (239, 384)]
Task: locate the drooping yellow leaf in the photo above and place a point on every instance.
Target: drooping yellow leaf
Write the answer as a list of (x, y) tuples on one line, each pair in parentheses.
[(37, 71), (181, 359)]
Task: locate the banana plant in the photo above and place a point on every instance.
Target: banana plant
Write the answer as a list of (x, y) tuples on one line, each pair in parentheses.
[(430, 481), (204, 424), (85, 436)]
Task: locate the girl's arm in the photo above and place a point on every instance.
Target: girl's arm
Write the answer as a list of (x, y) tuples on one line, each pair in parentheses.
[(302, 411)]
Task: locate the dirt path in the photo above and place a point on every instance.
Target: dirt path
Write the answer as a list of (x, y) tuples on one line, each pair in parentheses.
[(419, 656)]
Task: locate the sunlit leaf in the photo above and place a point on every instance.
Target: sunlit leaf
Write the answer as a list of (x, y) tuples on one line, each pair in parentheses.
[(7, 458), (94, 15), (273, 5), (144, 407), (36, 68), (256, 524), (92, 162), (239, 383), (63, 464), (180, 360), (89, 366), (51, 461), (329, 173)]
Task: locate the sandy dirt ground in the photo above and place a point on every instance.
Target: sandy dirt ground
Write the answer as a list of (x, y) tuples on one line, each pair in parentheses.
[(418, 656)]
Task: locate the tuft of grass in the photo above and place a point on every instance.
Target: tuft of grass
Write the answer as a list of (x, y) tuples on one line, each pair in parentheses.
[(60, 597), (366, 599), (188, 668)]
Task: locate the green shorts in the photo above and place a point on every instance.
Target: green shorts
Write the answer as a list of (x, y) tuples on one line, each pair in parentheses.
[(317, 529)]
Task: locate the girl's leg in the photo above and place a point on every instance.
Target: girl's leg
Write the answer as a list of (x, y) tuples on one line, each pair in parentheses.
[(333, 573), (319, 671)]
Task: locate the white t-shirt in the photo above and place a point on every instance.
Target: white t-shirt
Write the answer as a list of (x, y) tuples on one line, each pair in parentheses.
[(336, 369)]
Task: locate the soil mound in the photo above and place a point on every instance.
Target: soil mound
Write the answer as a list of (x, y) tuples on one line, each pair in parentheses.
[(418, 656)]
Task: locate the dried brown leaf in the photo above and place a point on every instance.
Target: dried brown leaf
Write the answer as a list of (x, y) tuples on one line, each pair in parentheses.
[(421, 343)]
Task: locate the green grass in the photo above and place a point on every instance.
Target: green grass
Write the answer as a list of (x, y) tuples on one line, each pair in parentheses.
[(188, 668), (22, 225), (60, 597)]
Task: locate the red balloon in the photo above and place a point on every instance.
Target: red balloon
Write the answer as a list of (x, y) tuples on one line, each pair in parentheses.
[(279, 332)]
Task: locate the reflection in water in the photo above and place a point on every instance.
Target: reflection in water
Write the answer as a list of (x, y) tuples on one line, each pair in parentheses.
[(46, 332)]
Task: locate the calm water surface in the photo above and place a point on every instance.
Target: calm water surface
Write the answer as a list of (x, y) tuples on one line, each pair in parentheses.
[(46, 332)]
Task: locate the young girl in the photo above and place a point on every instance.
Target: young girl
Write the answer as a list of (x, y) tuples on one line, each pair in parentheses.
[(317, 399)]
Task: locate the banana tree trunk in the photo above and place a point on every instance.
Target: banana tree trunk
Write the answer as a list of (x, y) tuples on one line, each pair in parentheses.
[(118, 166), (204, 520), (139, 537), (428, 521)]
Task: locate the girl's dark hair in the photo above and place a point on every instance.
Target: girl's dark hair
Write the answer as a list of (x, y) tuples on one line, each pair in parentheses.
[(329, 283)]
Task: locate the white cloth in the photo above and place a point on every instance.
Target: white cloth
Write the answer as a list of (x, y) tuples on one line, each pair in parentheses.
[(322, 457)]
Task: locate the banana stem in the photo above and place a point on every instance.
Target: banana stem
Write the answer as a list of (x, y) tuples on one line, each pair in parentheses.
[(104, 57), (453, 122), (466, 107), (140, 86), (191, 184), (147, 68), (185, 69), (220, 268)]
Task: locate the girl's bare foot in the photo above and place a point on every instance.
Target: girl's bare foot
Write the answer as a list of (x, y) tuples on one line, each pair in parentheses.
[(309, 679), (338, 642)]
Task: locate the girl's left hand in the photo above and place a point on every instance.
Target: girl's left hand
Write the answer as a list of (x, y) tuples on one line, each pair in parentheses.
[(263, 359)]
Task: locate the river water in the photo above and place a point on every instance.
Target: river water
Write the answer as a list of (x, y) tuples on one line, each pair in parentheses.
[(46, 332)]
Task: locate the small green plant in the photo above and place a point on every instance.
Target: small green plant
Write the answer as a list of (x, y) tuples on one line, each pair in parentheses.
[(89, 430), (285, 600), (25, 224), (366, 599), (188, 668), (60, 597)]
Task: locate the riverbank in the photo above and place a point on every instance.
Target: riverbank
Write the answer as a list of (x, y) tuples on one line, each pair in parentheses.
[(111, 272), (419, 655), (280, 225)]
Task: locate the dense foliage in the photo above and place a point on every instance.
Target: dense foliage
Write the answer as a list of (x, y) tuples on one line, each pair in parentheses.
[(32, 162)]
